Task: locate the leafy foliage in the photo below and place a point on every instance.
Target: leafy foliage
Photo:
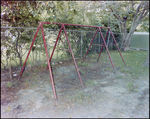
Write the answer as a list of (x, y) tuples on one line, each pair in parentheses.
[(127, 12), (18, 14), (120, 16)]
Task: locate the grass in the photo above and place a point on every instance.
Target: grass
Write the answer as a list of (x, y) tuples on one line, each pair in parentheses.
[(93, 60), (82, 72), (9, 84), (35, 80), (35, 71), (91, 83), (119, 77), (80, 98), (133, 59), (109, 69), (27, 74), (82, 64), (41, 57), (33, 74), (131, 87), (26, 80), (95, 72), (8, 109), (93, 56)]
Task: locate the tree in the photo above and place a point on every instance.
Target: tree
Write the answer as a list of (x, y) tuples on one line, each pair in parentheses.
[(145, 24), (70, 12), (126, 13), (18, 14)]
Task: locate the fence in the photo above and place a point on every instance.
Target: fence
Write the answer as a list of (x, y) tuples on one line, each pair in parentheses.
[(16, 41), (140, 40)]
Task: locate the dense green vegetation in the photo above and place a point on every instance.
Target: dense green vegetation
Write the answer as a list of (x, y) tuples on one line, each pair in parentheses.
[(133, 59), (120, 16)]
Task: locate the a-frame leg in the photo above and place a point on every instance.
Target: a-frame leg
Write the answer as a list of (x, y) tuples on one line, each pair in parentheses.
[(55, 46), (107, 49), (29, 51), (72, 54), (49, 66), (102, 46), (117, 47), (90, 45)]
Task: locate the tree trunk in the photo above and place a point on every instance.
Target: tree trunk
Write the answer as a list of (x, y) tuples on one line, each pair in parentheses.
[(10, 72), (126, 43), (146, 63), (19, 55), (20, 61), (127, 36), (7, 61)]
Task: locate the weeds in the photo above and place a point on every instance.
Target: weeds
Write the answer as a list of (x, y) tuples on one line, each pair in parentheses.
[(91, 83), (9, 84), (82, 72), (8, 109), (82, 64), (133, 60), (26, 80), (35, 80), (81, 98), (44, 65), (16, 84), (109, 69), (93, 56), (35, 71), (93, 61), (27, 74), (54, 72), (33, 74), (119, 77), (131, 87)]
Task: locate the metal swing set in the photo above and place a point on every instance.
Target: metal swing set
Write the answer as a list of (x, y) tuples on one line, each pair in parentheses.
[(70, 50)]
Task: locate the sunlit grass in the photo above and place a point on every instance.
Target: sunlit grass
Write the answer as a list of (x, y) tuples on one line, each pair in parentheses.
[(133, 59), (36, 57)]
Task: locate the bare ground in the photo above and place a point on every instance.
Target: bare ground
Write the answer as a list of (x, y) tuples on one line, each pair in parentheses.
[(104, 94)]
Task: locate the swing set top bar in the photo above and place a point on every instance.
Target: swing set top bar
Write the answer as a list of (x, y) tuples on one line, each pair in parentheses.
[(73, 25)]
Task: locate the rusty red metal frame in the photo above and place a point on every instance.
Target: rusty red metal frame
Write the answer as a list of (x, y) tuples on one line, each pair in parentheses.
[(49, 60), (104, 44)]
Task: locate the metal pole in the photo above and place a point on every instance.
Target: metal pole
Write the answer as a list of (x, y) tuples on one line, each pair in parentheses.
[(99, 42), (121, 34), (55, 46), (102, 46), (23, 68), (40, 53), (107, 48), (81, 42), (117, 47), (90, 45), (49, 66), (108, 39), (72, 54), (48, 42)]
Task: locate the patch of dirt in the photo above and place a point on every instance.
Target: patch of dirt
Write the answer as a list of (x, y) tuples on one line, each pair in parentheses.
[(104, 94)]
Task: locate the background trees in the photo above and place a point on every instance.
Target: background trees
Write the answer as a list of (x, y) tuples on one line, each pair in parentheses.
[(128, 14), (17, 14), (120, 16)]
